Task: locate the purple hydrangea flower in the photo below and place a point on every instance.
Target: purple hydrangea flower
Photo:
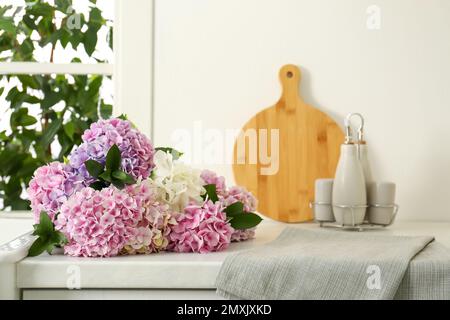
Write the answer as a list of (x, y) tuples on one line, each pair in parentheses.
[(136, 149)]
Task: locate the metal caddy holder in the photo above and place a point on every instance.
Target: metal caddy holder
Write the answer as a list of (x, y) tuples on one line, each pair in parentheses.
[(366, 225)]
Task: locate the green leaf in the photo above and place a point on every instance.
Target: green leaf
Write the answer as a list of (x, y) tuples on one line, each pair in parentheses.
[(50, 247), (27, 120), (129, 179), (41, 9), (123, 176), (50, 99), (95, 16), (29, 81), (50, 132), (94, 168), (76, 38), (29, 166), (20, 204), (235, 208), (94, 85), (46, 30), (118, 184), (65, 142), (38, 247), (211, 193), (69, 129), (7, 24), (3, 136), (90, 40), (20, 117), (49, 243), (17, 97), (63, 5), (45, 226), (106, 110), (113, 158), (98, 185), (64, 37), (26, 49), (48, 237), (123, 117), (15, 117), (13, 188), (12, 94), (175, 153), (245, 220), (11, 158), (31, 99), (120, 175), (111, 37), (106, 175), (58, 238), (29, 22)]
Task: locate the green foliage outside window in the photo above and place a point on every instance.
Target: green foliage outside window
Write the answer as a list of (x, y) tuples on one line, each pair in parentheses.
[(67, 104)]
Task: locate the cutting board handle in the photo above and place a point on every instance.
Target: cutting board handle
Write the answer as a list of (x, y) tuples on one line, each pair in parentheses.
[(290, 77)]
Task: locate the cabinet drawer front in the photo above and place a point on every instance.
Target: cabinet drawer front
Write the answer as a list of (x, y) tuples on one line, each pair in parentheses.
[(118, 294)]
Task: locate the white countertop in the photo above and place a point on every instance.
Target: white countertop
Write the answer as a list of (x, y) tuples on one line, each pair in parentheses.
[(173, 270), (14, 224)]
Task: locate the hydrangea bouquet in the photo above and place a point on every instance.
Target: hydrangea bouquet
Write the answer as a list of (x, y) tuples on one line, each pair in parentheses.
[(118, 195)]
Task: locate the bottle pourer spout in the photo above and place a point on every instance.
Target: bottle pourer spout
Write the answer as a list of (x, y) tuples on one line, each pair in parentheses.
[(361, 136), (348, 133)]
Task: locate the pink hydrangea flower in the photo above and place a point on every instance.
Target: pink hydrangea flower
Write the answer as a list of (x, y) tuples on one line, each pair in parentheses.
[(243, 235), (241, 194), (201, 228), (230, 196), (136, 149), (154, 228), (141, 238), (210, 177), (99, 223), (216, 235), (51, 186)]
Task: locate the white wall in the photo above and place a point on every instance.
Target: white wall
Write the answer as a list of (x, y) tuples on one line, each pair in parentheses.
[(217, 61)]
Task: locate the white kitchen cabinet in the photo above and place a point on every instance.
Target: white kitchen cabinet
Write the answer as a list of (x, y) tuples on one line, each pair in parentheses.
[(119, 294), (158, 276)]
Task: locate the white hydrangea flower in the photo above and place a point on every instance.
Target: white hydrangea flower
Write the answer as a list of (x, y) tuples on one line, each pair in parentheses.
[(177, 182)]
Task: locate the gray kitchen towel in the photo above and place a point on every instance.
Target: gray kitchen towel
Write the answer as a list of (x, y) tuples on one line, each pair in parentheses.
[(321, 264), (428, 275)]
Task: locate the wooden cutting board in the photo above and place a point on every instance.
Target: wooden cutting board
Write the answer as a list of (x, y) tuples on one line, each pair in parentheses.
[(309, 147)]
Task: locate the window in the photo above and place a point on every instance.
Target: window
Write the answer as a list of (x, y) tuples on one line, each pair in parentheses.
[(122, 78), (56, 68)]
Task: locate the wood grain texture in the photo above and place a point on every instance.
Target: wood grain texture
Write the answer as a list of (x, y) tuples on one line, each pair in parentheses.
[(309, 147)]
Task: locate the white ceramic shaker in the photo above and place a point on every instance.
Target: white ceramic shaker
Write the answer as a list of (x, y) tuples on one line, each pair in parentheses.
[(349, 188), (382, 208), (322, 205)]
